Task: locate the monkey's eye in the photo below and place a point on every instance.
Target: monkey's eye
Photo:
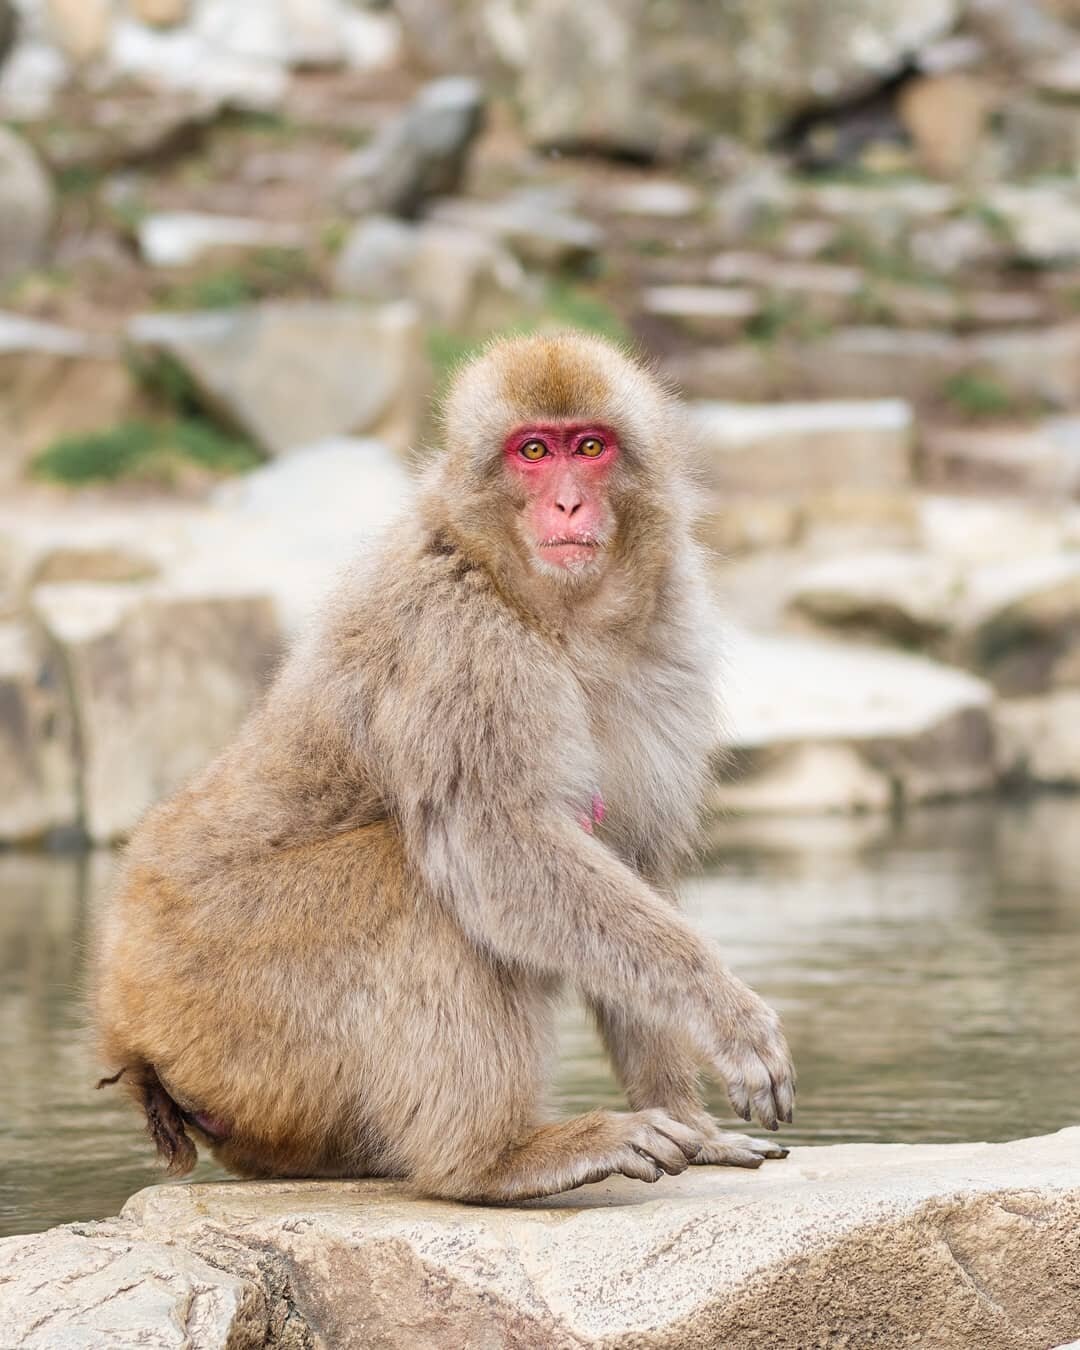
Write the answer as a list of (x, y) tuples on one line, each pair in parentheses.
[(591, 446), (533, 450)]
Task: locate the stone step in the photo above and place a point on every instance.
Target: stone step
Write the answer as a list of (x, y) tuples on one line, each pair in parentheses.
[(818, 726)]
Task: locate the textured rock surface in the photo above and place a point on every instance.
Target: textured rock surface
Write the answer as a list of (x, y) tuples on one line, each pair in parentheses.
[(906, 596), (290, 374), (459, 278), (26, 205), (864, 729), (943, 1245), (160, 678), (419, 155), (37, 761), (54, 382), (800, 447)]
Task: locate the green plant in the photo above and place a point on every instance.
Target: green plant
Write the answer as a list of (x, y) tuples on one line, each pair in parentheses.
[(263, 274), (979, 394), (150, 451)]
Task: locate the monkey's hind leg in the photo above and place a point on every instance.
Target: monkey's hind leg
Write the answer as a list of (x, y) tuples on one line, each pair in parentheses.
[(559, 1157)]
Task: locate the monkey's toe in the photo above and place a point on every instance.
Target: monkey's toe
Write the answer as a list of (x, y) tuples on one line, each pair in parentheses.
[(726, 1149)]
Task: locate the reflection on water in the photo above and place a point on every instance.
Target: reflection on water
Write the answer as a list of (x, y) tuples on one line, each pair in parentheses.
[(928, 973)]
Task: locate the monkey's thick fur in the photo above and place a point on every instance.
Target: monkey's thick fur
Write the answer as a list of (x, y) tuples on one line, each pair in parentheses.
[(337, 951)]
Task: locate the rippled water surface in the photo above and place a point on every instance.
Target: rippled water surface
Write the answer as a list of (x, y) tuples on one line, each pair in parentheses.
[(928, 973)]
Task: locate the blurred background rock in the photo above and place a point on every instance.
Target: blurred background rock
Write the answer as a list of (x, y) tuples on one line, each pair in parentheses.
[(243, 243)]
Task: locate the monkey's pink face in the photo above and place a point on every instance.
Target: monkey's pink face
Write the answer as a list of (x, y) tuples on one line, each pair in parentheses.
[(563, 469)]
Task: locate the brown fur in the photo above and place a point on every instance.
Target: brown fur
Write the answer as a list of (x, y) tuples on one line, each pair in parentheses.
[(344, 939)]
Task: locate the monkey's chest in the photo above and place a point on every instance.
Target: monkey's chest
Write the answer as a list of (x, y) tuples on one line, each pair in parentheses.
[(648, 757)]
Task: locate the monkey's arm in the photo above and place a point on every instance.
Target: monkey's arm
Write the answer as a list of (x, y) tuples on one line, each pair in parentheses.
[(486, 767)]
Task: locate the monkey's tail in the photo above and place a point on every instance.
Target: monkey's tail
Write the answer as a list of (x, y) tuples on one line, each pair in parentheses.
[(165, 1121)]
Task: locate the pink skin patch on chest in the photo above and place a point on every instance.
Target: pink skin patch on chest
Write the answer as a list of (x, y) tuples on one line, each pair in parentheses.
[(597, 817)]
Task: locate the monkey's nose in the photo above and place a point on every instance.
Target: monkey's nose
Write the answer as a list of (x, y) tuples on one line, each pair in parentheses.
[(568, 506)]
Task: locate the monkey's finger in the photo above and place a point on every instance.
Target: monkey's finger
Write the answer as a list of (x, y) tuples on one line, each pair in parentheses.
[(636, 1165), (738, 1096), (688, 1140), (663, 1151), (764, 1148), (784, 1096), (765, 1107)]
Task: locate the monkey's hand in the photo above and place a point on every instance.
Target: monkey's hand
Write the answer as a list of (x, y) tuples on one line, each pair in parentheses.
[(754, 1060)]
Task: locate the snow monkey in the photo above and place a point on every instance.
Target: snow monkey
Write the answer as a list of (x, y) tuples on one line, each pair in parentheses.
[(337, 952)]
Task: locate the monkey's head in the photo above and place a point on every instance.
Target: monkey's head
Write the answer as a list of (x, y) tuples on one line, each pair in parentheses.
[(568, 449)]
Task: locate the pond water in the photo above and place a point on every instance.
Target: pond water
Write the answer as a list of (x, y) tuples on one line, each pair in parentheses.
[(928, 972)]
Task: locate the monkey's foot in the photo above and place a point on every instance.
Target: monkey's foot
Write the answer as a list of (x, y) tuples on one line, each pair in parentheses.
[(722, 1149)]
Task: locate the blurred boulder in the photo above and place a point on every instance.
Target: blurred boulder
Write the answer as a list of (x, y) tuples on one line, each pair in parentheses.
[(1037, 138), (80, 28), (56, 382), (1042, 221), (418, 155), (1020, 624), (160, 13), (819, 726), (946, 116), (37, 763), (160, 678), (27, 206), (581, 84), (823, 291), (733, 524), (707, 312), (461, 279), (974, 531), (656, 198), (8, 22), (448, 36), (542, 232), (1041, 364), (1042, 461), (1060, 76), (798, 448), (288, 374), (902, 597), (180, 238), (83, 538), (1039, 739), (1018, 32), (291, 526), (233, 51), (791, 55)]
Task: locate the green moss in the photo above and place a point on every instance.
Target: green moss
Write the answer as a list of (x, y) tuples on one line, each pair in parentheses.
[(979, 394), (264, 274), (78, 180), (158, 452)]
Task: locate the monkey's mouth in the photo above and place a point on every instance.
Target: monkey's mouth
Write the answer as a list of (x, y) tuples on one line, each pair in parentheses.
[(568, 551)]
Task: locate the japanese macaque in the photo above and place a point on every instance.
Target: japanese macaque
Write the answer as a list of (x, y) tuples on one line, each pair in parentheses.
[(338, 951)]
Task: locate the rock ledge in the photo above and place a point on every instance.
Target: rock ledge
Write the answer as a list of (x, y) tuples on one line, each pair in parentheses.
[(935, 1245)]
